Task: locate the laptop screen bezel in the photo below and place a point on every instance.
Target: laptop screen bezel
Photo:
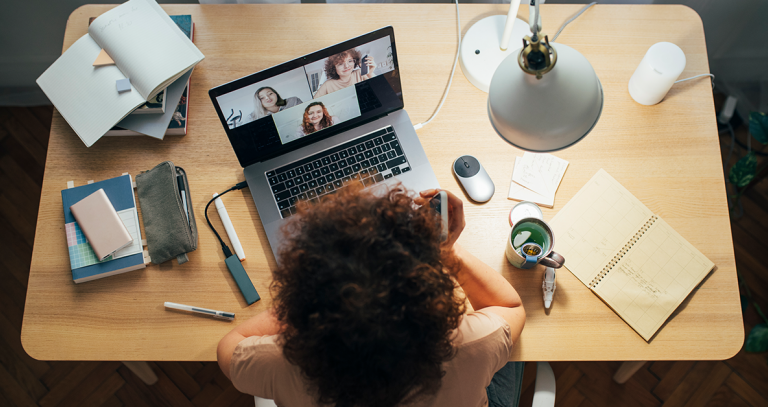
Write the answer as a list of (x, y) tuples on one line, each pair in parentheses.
[(298, 63)]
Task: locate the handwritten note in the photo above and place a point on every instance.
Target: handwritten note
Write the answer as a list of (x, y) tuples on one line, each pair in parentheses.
[(521, 193), (536, 178)]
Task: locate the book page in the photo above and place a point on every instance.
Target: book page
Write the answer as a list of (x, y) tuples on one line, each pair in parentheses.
[(595, 224), (130, 218), (146, 44), (85, 95), (155, 125), (653, 278)]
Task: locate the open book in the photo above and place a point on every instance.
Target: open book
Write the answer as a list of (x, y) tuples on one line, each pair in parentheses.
[(632, 259), (147, 47)]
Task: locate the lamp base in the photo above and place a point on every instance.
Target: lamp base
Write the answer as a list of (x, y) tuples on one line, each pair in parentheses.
[(481, 51)]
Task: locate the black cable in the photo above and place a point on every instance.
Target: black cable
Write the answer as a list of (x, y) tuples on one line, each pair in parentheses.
[(224, 247)]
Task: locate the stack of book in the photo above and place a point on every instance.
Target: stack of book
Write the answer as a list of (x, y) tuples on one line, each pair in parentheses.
[(177, 126), (91, 234), (129, 75)]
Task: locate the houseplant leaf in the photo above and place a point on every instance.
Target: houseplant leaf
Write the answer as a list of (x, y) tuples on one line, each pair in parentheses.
[(757, 341), (743, 171), (758, 126)]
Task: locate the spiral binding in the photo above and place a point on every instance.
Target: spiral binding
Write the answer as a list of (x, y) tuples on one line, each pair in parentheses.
[(623, 251)]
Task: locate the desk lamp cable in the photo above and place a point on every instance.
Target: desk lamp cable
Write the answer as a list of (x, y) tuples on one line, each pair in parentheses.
[(456, 60), (592, 4), (458, 50), (450, 80)]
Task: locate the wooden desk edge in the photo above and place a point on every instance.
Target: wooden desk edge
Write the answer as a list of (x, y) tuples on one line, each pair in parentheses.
[(43, 353)]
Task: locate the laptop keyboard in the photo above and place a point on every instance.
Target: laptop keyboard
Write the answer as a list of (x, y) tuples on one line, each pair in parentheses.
[(369, 159)]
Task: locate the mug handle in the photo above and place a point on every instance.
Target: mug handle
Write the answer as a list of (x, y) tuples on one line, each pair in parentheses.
[(554, 260)]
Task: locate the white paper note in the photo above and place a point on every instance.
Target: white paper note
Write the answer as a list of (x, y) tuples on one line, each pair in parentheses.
[(521, 193), (540, 173)]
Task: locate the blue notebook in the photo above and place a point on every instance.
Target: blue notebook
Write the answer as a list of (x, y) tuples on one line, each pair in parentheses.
[(83, 262)]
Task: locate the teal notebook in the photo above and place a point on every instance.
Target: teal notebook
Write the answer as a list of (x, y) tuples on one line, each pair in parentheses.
[(83, 262)]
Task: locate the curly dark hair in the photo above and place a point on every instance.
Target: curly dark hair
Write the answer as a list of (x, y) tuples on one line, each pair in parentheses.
[(333, 60), (367, 299)]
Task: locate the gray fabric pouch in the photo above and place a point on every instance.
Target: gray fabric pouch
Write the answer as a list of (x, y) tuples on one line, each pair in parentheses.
[(169, 232)]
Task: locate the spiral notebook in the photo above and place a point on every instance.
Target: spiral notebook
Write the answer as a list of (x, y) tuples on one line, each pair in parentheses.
[(631, 258)]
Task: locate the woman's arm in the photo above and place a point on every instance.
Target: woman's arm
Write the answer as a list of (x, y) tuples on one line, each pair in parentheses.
[(484, 287), (263, 324), (322, 90), (371, 66)]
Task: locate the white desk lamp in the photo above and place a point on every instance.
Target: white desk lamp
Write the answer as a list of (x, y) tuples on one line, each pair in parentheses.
[(542, 97), (486, 44)]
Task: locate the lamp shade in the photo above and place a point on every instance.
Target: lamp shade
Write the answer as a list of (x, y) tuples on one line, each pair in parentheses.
[(550, 113)]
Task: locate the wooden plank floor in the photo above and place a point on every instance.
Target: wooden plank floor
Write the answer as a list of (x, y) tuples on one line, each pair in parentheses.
[(740, 381)]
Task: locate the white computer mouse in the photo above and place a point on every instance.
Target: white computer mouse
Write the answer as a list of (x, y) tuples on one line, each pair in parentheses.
[(473, 178)]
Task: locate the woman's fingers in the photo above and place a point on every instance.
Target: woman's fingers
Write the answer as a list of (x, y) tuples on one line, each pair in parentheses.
[(425, 196), (456, 221)]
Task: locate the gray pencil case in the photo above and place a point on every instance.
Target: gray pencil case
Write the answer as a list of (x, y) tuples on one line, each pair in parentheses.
[(171, 230)]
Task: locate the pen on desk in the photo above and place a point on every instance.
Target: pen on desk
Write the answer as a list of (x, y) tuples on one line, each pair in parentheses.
[(216, 314), (183, 193), (229, 227)]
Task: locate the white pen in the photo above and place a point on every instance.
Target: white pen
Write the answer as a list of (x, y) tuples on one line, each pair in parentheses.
[(216, 314), (229, 228), (548, 286)]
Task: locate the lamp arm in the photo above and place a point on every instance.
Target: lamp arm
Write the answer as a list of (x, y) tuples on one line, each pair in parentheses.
[(534, 18), (511, 16)]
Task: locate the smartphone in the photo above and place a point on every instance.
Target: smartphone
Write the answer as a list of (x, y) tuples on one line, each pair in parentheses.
[(363, 66), (440, 204)]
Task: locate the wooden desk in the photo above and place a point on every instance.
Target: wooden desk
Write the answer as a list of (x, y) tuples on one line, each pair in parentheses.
[(667, 155)]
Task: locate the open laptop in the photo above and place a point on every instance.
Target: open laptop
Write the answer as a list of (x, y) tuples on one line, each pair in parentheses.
[(307, 127)]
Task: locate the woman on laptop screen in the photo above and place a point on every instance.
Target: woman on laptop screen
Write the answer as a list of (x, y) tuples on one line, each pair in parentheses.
[(267, 101), (345, 69), (316, 117)]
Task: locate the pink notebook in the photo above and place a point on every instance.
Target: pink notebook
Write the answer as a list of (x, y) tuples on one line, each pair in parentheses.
[(101, 224)]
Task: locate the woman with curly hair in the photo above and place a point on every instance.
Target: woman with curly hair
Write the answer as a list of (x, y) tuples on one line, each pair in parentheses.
[(343, 69), (316, 117), (366, 312)]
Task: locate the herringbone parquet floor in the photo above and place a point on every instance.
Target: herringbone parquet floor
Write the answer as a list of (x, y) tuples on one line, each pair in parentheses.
[(740, 381)]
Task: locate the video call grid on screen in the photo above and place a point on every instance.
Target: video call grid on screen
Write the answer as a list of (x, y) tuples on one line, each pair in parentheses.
[(314, 96)]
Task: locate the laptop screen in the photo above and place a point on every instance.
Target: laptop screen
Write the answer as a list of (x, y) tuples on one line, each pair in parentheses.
[(288, 106)]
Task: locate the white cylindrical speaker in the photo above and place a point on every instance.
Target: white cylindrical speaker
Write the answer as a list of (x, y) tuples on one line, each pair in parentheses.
[(657, 72)]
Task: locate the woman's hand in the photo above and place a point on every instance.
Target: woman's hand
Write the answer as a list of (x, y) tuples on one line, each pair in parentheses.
[(456, 221), (371, 66)]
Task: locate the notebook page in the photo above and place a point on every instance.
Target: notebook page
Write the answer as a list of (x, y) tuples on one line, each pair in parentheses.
[(130, 219), (86, 95), (595, 224), (146, 44), (653, 278)]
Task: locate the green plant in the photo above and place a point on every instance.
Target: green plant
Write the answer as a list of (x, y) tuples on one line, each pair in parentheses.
[(741, 175), (745, 170), (757, 340)]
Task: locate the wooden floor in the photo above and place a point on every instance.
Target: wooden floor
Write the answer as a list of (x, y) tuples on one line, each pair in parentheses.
[(28, 382)]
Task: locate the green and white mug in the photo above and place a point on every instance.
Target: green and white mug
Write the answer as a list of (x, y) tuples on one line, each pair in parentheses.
[(530, 243)]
